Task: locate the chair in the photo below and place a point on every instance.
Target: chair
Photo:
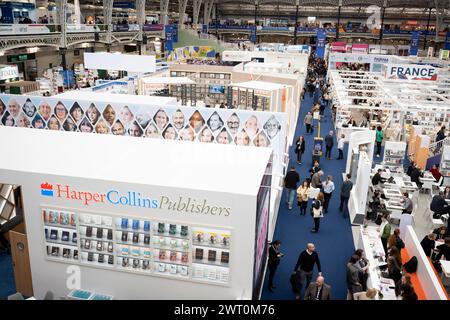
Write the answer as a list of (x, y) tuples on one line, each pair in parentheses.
[(438, 183)]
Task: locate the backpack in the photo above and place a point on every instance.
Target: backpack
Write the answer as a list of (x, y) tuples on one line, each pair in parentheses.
[(411, 265)]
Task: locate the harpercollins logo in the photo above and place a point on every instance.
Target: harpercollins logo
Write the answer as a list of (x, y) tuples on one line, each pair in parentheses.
[(47, 189), (113, 196)]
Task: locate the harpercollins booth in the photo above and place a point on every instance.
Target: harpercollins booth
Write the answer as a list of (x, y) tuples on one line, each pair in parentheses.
[(140, 218)]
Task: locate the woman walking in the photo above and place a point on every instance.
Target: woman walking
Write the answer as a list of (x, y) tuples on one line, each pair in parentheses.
[(300, 148), (302, 197), (328, 188), (317, 211)]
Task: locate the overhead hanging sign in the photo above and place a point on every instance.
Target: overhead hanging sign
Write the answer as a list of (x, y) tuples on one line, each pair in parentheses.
[(169, 37), (410, 72), (414, 47), (175, 33), (253, 34), (115, 61), (320, 44), (447, 42), (8, 72)]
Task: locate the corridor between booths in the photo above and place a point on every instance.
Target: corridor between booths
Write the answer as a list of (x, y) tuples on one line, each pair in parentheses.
[(334, 241)]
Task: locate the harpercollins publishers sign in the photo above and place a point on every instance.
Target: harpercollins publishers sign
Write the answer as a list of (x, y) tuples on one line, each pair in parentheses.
[(116, 197), (410, 72)]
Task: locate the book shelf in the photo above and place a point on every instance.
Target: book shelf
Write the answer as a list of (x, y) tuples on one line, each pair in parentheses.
[(394, 154), (445, 164)]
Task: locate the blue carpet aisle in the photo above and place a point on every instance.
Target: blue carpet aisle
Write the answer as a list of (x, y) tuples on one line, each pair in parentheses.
[(7, 285), (334, 241)]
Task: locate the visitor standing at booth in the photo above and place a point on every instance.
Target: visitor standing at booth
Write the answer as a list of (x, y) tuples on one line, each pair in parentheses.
[(290, 183), (274, 260), (385, 230), (341, 143), (346, 188), (328, 188), (379, 139)]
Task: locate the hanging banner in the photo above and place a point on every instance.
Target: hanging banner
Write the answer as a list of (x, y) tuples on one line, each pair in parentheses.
[(169, 37), (447, 42), (175, 33), (320, 43), (253, 34), (410, 72), (414, 47)]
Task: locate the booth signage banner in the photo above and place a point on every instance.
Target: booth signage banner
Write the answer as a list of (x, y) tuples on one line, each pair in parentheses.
[(414, 47), (237, 56), (124, 62), (253, 34), (320, 44), (338, 47), (9, 72), (169, 37), (444, 54), (153, 27), (410, 72), (360, 48), (206, 125)]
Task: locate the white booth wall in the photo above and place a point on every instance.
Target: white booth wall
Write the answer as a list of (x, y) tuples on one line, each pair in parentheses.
[(151, 167)]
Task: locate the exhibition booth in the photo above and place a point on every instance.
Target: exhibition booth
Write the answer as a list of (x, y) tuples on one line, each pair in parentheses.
[(426, 283), (126, 230), (404, 106)]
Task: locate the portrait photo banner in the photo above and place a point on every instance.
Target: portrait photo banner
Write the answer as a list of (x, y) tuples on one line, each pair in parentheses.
[(190, 124)]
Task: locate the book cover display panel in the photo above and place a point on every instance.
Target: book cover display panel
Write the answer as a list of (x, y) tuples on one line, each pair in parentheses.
[(141, 246)]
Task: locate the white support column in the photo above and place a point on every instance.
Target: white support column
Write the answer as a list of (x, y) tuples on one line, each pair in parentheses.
[(196, 11), (107, 19), (62, 10), (140, 15), (182, 4), (207, 10), (440, 13), (164, 10)]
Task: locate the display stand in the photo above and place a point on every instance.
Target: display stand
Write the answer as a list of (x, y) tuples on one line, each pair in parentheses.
[(369, 241), (445, 165), (394, 154)]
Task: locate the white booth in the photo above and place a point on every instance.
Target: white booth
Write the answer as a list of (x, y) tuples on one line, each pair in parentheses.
[(140, 218)]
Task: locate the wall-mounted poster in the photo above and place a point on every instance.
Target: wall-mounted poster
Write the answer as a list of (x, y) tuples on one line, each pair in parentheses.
[(261, 231)]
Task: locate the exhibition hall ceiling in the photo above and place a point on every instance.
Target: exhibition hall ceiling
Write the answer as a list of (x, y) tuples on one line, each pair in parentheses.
[(397, 8)]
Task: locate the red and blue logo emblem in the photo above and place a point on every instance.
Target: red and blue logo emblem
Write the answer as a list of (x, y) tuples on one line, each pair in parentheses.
[(47, 189)]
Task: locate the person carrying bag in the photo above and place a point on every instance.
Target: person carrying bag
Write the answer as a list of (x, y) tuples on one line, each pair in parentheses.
[(317, 211)]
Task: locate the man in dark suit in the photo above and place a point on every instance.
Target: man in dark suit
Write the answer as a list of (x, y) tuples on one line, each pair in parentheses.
[(274, 260), (318, 290), (439, 206)]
